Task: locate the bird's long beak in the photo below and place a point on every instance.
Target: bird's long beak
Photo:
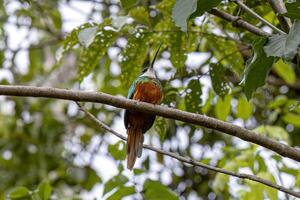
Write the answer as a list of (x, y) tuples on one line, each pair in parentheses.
[(155, 56)]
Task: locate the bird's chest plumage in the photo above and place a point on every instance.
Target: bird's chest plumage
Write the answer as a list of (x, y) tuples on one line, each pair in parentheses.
[(148, 92)]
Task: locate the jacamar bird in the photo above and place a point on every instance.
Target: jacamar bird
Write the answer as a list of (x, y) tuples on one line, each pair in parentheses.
[(146, 88)]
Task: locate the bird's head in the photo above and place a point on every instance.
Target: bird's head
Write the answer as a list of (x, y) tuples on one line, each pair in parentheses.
[(149, 71)]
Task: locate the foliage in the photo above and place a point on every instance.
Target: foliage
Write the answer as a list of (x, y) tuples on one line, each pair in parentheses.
[(182, 10), (219, 82), (259, 64), (49, 150), (284, 46), (293, 9)]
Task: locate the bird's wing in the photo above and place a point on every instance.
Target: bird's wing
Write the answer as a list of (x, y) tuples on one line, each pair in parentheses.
[(149, 123), (129, 96)]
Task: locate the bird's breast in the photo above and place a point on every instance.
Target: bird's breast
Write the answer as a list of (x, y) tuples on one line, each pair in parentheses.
[(148, 92)]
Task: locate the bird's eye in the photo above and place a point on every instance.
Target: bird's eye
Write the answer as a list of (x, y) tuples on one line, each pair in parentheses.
[(144, 70)]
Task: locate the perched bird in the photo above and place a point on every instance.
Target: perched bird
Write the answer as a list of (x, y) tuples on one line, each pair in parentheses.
[(146, 88)]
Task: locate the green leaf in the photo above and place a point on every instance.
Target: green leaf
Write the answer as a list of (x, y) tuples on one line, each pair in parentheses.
[(177, 49), (91, 179), (165, 6), (244, 108), (292, 118), (203, 6), (56, 18), (220, 183), (277, 102), (288, 170), (275, 132), (257, 68), (284, 46), (257, 190), (298, 180), (36, 58), (71, 40), (138, 171), (126, 4), (114, 182), (261, 163), (2, 57), (19, 193), (285, 71), (90, 57), (119, 21), (121, 192), (141, 15), (218, 79), (133, 57), (192, 99), (182, 10), (293, 10), (44, 190), (87, 36), (161, 127), (294, 106), (155, 190), (117, 150), (206, 107), (223, 107), (227, 52)]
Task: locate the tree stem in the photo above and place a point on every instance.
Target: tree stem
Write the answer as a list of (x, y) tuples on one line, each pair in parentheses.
[(249, 10), (121, 102)]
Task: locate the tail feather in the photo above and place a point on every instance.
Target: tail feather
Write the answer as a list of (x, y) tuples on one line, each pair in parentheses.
[(134, 145), (140, 150)]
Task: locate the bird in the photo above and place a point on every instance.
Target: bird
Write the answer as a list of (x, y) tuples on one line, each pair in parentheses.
[(146, 88)]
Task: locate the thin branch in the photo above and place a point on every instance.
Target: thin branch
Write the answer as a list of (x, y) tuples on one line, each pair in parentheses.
[(192, 161), (279, 8), (249, 10), (121, 102), (196, 32), (238, 22), (279, 82), (234, 52)]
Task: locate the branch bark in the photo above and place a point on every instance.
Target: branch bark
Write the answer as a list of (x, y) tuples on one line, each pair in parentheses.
[(238, 22), (192, 161), (246, 8), (121, 102), (279, 8)]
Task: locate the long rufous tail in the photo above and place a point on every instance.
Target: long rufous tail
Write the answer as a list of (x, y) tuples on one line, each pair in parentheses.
[(134, 145)]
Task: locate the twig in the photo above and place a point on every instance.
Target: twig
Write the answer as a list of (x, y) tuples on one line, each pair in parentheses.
[(238, 22), (121, 102), (246, 8), (192, 161), (196, 32), (279, 8), (234, 52)]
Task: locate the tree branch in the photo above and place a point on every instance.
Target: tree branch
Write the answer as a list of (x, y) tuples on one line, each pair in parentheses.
[(192, 161), (238, 22), (279, 8), (195, 32), (249, 10), (121, 102)]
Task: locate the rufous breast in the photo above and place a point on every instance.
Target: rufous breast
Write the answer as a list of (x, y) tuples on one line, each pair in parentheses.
[(148, 92)]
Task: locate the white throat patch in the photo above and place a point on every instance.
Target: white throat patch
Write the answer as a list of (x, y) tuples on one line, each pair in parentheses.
[(149, 73)]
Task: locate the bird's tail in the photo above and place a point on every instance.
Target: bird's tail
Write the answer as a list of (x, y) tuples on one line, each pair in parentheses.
[(135, 141)]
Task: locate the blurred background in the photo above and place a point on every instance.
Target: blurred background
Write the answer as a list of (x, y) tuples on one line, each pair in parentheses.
[(102, 45)]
